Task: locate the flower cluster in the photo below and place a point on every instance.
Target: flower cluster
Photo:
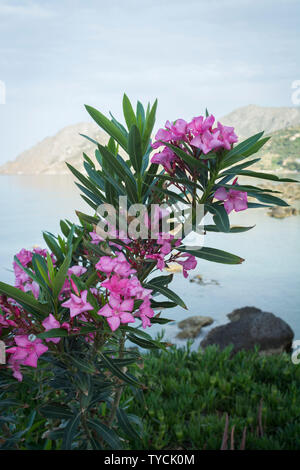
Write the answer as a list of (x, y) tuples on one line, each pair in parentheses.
[(124, 290), (22, 280), (199, 134)]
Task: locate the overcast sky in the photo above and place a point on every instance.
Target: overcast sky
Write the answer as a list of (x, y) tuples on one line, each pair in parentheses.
[(57, 55)]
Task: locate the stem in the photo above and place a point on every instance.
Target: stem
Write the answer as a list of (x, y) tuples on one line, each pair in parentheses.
[(119, 391)]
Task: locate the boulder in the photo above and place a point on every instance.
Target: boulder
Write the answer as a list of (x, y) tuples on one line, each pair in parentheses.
[(191, 326), (242, 312), (250, 327)]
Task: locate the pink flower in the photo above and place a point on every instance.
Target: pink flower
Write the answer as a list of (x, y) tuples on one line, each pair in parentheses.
[(106, 264), (5, 323), (173, 132), (116, 285), (165, 158), (78, 304), (160, 258), (96, 239), (15, 366), (199, 125), (189, 263), (49, 324), (227, 136), (77, 270), (27, 352), (20, 275), (24, 256), (233, 199), (117, 311), (33, 287), (146, 312)]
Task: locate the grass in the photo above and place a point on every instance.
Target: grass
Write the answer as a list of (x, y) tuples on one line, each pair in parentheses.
[(190, 395)]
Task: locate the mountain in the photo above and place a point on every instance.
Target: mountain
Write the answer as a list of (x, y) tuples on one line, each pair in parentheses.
[(281, 151), (49, 155), (252, 119)]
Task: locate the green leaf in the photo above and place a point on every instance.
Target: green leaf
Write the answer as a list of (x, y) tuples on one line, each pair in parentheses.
[(265, 176), (117, 371), (220, 217), (214, 228), (53, 245), (89, 138), (234, 169), (82, 365), (95, 176), (160, 321), (162, 280), (143, 343), (155, 304), (107, 126), (93, 195), (87, 218), (148, 178), (23, 298), (56, 411), (213, 254), (64, 228), (256, 147), (61, 276), (54, 333), (85, 181), (125, 424), (269, 199), (135, 148), (106, 434), (70, 432), (150, 121), (171, 194), (192, 161), (41, 269), (128, 112), (243, 146), (124, 174), (167, 293)]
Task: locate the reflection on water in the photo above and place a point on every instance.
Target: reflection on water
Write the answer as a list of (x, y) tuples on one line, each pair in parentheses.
[(268, 279)]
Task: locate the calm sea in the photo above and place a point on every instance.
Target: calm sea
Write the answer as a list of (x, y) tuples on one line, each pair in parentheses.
[(269, 278)]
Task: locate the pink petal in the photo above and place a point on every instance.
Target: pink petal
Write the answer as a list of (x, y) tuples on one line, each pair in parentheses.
[(240, 205), (127, 305), (228, 206), (114, 322), (127, 318), (105, 311), (221, 194), (31, 360)]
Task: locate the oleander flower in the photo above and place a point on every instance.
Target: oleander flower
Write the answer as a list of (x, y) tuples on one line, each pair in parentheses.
[(27, 352), (49, 324), (117, 311), (77, 304), (233, 199)]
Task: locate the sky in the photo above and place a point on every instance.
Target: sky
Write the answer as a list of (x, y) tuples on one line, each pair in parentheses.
[(56, 56)]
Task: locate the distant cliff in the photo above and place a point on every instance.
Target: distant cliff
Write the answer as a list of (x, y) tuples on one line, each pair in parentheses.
[(49, 155)]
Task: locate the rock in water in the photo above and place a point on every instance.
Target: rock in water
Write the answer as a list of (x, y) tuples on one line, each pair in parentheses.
[(282, 212), (191, 326), (251, 327), (242, 312)]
